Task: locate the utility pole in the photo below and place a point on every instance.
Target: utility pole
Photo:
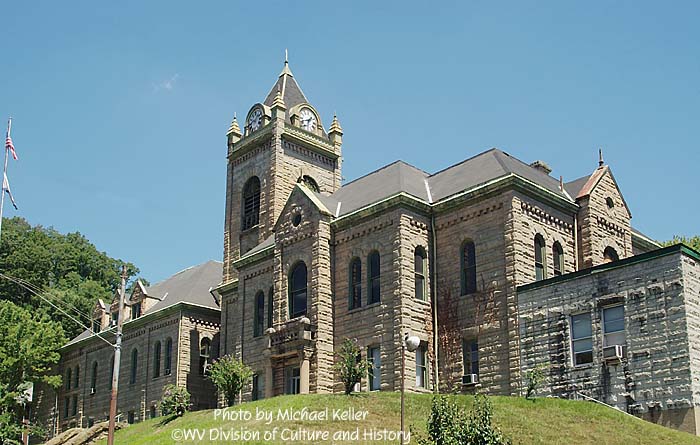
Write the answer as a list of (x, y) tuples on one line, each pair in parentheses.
[(117, 360)]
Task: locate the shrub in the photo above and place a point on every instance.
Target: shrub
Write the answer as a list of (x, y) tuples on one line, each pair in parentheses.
[(350, 366), (535, 378), (230, 375), (175, 401), (448, 424)]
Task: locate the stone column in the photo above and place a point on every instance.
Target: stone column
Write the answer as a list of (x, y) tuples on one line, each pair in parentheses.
[(304, 371), (269, 379)]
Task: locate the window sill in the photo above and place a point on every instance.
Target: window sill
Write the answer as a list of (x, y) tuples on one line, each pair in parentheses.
[(581, 367), (249, 229), (368, 306)]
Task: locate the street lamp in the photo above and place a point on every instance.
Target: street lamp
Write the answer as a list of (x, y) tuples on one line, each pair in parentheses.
[(411, 343)]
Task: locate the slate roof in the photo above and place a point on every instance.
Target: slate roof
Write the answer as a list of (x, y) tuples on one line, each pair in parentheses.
[(191, 285), (291, 93), (402, 177), (484, 167), (575, 186), (380, 184)]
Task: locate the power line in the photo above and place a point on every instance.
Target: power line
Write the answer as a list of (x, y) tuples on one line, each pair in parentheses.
[(21, 283), (36, 289)]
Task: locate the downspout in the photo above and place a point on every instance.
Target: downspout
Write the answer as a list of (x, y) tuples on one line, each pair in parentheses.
[(241, 299), (576, 242), (433, 287)]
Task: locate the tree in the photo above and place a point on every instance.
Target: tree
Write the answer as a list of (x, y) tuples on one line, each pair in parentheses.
[(29, 345), (448, 424), (692, 242), (351, 367), (175, 401), (535, 378), (230, 375), (66, 269)]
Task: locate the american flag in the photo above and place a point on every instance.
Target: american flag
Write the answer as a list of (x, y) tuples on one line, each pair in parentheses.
[(10, 146)]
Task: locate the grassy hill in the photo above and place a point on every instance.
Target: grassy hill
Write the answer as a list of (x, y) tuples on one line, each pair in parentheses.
[(544, 421)]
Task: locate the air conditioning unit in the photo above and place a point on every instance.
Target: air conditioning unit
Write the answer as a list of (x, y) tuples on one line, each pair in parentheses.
[(470, 379), (613, 353)]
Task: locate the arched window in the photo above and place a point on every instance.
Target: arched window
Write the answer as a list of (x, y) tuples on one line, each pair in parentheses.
[(355, 284), (468, 267), (373, 287), (610, 255), (270, 307), (558, 255), (69, 376), (540, 256), (297, 290), (251, 203), (77, 377), (204, 355), (167, 369), (310, 183), (259, 314), (93, 379), (134, 365), (156, 360), (419, 266)]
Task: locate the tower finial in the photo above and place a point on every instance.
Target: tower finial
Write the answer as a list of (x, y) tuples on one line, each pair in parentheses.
[(601, 162), (286, 56)]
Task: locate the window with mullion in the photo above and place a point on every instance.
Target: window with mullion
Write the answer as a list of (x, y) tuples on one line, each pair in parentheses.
[(259, 314), (581, 339), (470, 357), (419, 268), (468, 267), (614, 325), (558, 256), (374, 275), (298, 290), (374, 358), (540, 255), (355, 300)]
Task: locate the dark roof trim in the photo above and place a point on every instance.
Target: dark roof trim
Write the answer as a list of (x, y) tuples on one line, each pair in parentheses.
[(510, 180), (658, 253), (133, 324), (260, 255), (397, 200)]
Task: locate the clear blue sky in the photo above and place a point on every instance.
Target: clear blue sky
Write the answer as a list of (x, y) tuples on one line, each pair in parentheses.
[(121, 108)]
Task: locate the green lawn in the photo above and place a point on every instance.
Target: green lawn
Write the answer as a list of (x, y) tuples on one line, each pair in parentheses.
[(544, 421)]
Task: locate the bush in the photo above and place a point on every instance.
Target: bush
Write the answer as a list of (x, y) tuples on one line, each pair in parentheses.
[(448, 424), (350, 366), (230, 375), (535, 378), (175, 401)]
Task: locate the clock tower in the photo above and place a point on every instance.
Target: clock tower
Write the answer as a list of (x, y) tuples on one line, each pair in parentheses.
[(282, 142)]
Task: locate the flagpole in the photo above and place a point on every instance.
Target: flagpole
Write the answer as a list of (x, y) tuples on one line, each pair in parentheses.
[(4, 173)]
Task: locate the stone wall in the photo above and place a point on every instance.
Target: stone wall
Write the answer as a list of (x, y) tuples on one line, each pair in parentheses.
[(394, 234), (659, 291), (480, 316), (182, 327), (602, 226)]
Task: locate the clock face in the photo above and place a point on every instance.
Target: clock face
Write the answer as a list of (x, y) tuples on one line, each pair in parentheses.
[(308, 120), (255, 119)]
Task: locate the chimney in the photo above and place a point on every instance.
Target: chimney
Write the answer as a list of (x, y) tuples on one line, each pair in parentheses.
[(541, 166)]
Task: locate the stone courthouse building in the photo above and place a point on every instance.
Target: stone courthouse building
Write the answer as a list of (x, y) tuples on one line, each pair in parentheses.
[(497, 266), (170, 333)]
